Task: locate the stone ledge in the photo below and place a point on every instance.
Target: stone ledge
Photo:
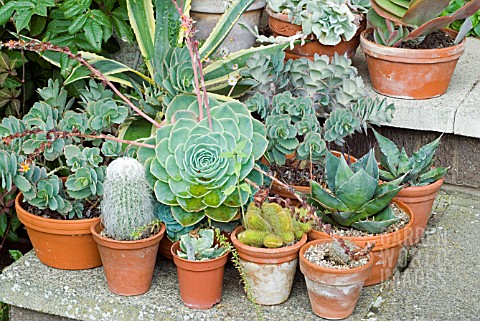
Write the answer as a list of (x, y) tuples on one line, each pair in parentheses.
[(455, 112)]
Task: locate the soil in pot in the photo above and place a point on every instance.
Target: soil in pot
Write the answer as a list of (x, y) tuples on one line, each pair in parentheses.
[(269, 272), (420, 199), (62, 244), (333, 288), (200, 282), (387, 245), (128, 265)]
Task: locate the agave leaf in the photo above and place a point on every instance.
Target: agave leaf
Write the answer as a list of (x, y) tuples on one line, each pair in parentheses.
[(403, 163), (368, 163), (422, 158), (431, 176), (342, 218), (385, 175), (423, 11), (388, 186), (358, 190), (390, 152), (380, 222), (344, 173), (331, 165), (377, 204), (325, 199)]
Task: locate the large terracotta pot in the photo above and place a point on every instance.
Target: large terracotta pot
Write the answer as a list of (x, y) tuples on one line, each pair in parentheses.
[(387, 247), (285, 193), (281, 26), (128, 265), (200, 282), (269, 272), (333, 293), (62, 244), (410, 73), (420, 199), (207, 13)]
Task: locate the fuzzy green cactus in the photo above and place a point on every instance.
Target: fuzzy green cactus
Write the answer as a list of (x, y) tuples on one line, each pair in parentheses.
[(127, 203), (271, 226)]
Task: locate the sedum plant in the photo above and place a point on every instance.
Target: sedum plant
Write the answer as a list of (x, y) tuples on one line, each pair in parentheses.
[(199, 246), (126, 203), (353, 196), (331, 21), (390, 19), (416, 170), (272, 226)]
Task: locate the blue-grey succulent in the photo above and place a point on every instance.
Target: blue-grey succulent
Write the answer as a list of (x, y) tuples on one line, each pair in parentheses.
[(200, 247)]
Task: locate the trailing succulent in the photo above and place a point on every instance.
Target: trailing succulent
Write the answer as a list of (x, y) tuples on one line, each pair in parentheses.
[(416, 170), (199, 246), (200, 171), (390, 19), (354, 196), (331, 21), (321, 88), (36, 149), (272, 226)]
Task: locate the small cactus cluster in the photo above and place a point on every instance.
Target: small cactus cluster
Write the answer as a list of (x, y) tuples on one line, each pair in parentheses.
[(271, 226)]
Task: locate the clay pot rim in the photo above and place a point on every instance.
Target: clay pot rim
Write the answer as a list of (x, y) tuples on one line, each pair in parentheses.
[(285, 250), (284, 17), (81, 226), (115, 244), (257, 5), (199, 264), (328, 270), (411, 55), (417, 191)]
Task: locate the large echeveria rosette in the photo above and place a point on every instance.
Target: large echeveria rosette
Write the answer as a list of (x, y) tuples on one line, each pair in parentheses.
[(189, 171)]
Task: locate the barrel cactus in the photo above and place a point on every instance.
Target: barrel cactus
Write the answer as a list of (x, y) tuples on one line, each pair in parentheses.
[(354, 196), (271, 226), (127, 203), (195, 169)]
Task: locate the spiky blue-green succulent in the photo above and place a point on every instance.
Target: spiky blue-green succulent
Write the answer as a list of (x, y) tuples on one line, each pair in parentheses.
[(196, 169), (416, 170), (354, 196), (200, 247)]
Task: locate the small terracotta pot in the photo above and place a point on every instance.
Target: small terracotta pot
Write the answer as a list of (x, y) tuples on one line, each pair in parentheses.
[(387, 247), (62, 244), (283, 192), (164, 248), (281, 26), (200, 282), (333, 293), (420, 199), (269, 272), (128, 265), (410, 73)]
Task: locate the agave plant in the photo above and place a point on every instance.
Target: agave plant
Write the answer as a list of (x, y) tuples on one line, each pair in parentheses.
[(199, 246), (423, 16), (353, 195), (416, 170)]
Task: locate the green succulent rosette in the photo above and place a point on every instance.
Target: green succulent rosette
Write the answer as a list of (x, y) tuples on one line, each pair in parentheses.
[(189, 168)]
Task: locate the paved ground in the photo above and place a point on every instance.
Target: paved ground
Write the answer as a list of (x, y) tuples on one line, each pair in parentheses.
[(439, 283)]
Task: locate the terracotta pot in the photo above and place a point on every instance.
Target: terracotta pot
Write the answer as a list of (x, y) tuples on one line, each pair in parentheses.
[(283, 192), (128, 265), (269, 272), (281, 26), (387, 247), (62, 244), (410, 73), (164, 248), (200, 282), (207, 13), (333, 293), (420, 199)]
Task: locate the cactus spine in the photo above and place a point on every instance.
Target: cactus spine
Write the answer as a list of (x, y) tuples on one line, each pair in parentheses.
[(127, 202)]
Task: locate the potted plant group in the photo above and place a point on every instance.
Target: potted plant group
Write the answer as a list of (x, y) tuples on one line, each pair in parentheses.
[(200, 266), (359, 208), (267, 245), (422, 180), (335, 271), (128, 234), (408, 54), (332, 26)]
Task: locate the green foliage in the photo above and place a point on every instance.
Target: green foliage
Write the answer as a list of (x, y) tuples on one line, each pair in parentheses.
[(457, 25), (199, 246), (416, 170), (271, 226), (282, 137), (9, 222), (174, 229), (331, 21), (127, 203), (354, 196)]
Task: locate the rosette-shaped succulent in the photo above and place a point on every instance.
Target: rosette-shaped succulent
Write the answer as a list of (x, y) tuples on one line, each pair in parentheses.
[(111, 148), (301, 107), (71, 120), (309, 123), (173, 228), (283, 102), (85, 182), (258, 103), (373, 111), (282, 137), (354, 196), (339, 125), (196, 169), (312, 148), (50, 194), (79, 157), (104, 113)]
